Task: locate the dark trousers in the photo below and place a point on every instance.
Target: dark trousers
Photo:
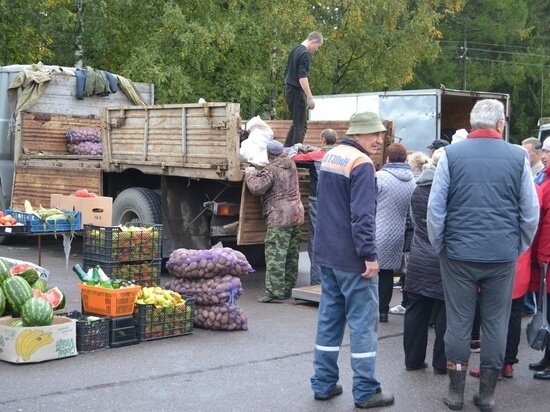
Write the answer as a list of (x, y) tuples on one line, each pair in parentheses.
[(464, 283), (416, 325), (296, 100), (514, 332), (385, 289)]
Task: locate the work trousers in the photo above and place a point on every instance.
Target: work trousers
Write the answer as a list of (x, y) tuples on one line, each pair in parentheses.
[(297, 106), (461, 282), (281, 260), (314, 270), (416, 325), (385, 289), (346, 297)]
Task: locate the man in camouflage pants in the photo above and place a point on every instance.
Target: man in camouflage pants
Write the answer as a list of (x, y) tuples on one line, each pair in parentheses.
[(277, 184)]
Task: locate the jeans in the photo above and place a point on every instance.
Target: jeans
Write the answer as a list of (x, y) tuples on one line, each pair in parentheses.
[(296, 100), (314, 271), (347, 297)]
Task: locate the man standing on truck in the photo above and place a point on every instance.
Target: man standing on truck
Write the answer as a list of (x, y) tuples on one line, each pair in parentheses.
[(345, 248), (312, 161), (298, 94), (277, 184), (482, 214)]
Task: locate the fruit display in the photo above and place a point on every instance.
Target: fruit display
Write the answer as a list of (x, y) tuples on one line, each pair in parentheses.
[(47, 220), (22, 283), (122, 243), (17, 291), (37, 312), (84, 193), (26, 271), (161, 313), (9, 220), (29, 341)]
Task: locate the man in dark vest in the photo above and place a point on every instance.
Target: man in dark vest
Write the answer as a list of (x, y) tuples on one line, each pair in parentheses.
[(482, 214), (298, 94)]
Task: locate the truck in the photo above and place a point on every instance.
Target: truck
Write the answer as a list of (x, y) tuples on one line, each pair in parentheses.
[(421, 116), (544, 128), (175, 164)]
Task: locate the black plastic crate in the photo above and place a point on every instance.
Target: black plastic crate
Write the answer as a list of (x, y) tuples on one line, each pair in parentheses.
[(146, 273), (156, 323), (123, 332), (122, 244), (92, 332)]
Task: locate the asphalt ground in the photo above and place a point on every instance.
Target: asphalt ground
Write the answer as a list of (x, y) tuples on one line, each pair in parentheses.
[(266, 368)]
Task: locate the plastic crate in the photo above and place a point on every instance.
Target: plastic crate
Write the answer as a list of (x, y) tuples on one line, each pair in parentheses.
[(115, 244), (108, 302), (123, 332), (37, 225), (92, 334), (142, 273), (156, 323)]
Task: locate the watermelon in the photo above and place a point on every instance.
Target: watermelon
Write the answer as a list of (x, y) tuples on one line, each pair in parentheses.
[(40, 284), (26, 271), (2, 302), (36, 312), (4, 271), (17, 323), (54, 296), (17, 292)]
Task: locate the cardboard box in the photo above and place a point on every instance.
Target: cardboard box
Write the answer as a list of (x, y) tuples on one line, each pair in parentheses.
[(38, 343), (95, 210)]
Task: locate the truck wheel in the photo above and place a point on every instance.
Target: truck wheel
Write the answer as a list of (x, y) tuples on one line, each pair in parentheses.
[(137, 204)]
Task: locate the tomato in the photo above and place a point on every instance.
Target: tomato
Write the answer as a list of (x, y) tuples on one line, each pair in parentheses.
[(81, 193)]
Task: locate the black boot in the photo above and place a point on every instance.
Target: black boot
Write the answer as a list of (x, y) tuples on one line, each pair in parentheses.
[(543, 375), (457, 381), (541, 364), (485, 400)]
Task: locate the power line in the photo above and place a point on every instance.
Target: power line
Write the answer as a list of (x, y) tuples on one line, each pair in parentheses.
[(505, 52), (507, 62), (457, 42)]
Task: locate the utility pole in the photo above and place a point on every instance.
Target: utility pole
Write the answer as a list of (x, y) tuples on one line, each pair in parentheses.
[(78, 49), (464, 58)]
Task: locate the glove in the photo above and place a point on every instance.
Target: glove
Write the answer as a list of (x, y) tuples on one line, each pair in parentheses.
[(310, 103), (250, 169)]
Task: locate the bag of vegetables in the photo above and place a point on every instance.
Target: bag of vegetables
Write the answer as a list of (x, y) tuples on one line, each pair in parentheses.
[(205, 264), (213, 291), (84, 134), (220, 317)]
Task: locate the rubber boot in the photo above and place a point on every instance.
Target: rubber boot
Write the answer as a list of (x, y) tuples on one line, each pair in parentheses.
[(457, 381), (485, 400)]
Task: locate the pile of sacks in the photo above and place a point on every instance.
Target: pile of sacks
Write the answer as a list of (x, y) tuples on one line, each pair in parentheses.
[(212, 278), (84, 141)]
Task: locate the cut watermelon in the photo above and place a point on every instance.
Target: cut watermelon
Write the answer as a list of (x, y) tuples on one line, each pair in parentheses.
[(26, 271), (54, 296)]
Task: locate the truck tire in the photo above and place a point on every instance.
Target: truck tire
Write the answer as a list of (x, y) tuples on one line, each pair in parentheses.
[(137, 204)]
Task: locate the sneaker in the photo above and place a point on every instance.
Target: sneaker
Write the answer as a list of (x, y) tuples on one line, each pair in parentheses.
[(475, 346), (398, 310), (378, 400), (337, 390)]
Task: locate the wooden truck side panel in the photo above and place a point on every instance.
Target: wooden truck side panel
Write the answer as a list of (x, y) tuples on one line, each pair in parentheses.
[(187, 140)]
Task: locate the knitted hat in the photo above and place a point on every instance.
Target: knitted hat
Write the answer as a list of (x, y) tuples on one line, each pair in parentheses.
[(274, 148), (437, 144), (365, 123), (459, 135), (546, 144)]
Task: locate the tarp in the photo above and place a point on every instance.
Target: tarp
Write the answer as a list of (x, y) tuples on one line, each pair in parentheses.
[(32, 84)]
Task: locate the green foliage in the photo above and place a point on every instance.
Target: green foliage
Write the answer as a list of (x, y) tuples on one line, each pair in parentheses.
[(504, 53)]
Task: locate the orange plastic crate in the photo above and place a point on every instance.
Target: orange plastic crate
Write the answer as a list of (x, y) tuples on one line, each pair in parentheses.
[(108, 302)]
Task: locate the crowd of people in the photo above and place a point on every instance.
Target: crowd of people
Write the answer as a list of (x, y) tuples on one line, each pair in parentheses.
[(480, 233)]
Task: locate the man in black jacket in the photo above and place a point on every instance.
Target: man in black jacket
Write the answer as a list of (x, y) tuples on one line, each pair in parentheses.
[(298, 95)]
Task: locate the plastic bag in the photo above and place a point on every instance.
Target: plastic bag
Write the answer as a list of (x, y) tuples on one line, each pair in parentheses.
[(253, 149), (226, 289)]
